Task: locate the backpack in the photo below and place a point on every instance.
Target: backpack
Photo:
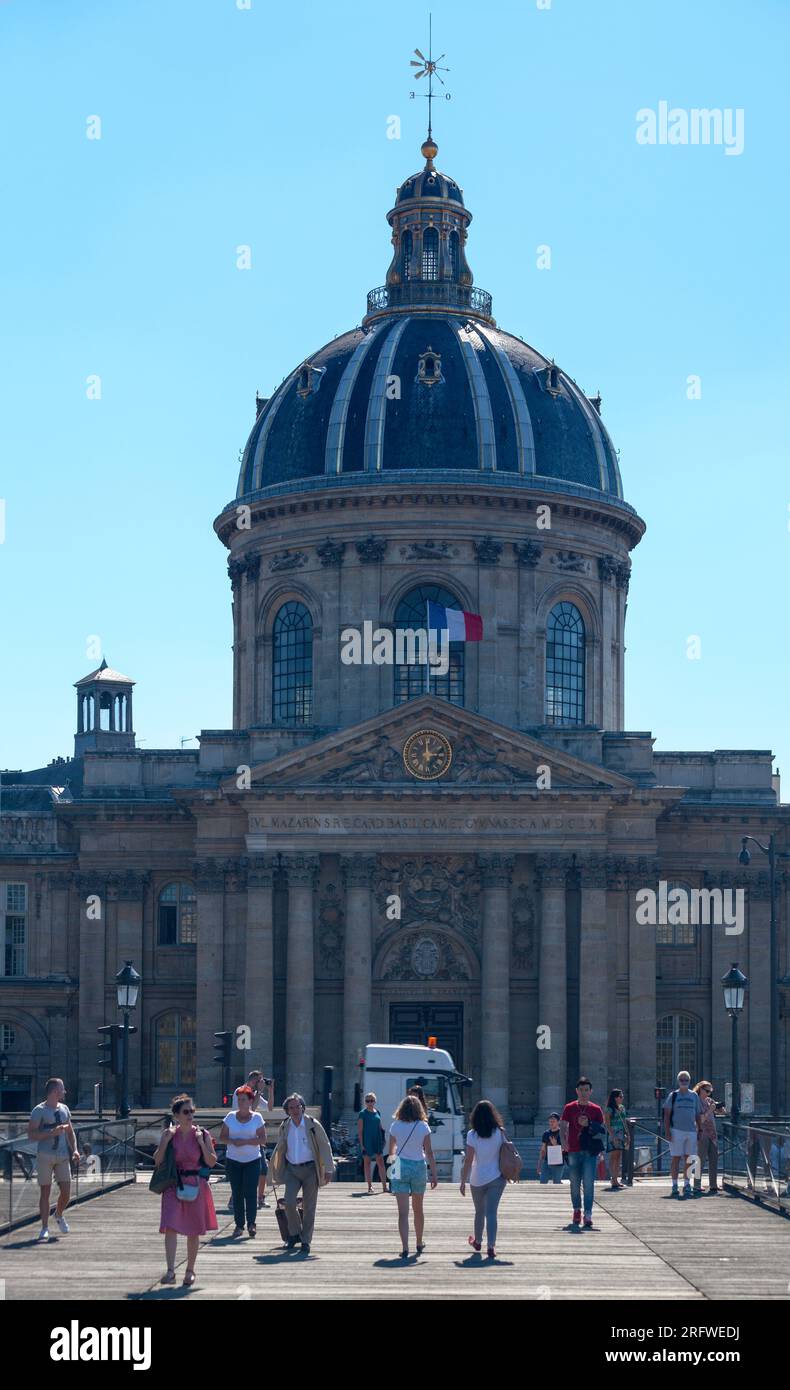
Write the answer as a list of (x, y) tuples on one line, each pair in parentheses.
[(510, 1162)]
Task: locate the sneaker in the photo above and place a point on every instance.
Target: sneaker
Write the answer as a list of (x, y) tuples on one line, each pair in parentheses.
[(588, 1225), (687, 1192), (577, 1217), (305, 1248), (63, 1225), (491, 1253), (43, 1236), (674, 1192)]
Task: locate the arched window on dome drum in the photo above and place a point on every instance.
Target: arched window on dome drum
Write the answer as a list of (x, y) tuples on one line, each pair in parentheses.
[(411, 612), (455, 255), (565, 665), (430, 254), (292, 665), (406, 245)]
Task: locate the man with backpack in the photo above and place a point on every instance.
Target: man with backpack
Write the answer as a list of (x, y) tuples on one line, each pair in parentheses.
[(683, 1112), (582, 1130)]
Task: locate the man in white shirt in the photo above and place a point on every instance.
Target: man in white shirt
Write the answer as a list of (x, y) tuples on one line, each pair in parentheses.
[(303, 1161), (263, 1102)]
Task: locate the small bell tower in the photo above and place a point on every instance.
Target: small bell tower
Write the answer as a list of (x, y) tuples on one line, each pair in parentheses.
[(104, 712)]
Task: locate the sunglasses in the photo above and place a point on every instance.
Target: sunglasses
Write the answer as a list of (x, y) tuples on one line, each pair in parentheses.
[(185, 1111)]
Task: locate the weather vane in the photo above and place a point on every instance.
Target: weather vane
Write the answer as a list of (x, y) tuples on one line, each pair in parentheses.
[(429, 67)]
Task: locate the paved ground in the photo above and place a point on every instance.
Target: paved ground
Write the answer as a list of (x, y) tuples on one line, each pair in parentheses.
[(645, 1246)]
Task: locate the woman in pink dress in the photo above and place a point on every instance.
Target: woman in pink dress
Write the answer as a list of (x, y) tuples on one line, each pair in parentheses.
[(193, 1148)]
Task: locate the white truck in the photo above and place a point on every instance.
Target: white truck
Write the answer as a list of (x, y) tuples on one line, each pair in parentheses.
[(391, 1068)]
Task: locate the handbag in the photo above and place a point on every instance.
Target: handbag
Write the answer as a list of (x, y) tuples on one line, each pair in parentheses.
[(509, 1160), (166, 1175)]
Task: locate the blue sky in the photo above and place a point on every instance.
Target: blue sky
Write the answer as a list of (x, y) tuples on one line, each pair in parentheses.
[(267, 127)]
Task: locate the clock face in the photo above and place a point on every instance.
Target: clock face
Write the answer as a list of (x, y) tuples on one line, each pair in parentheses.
[(427, 754)]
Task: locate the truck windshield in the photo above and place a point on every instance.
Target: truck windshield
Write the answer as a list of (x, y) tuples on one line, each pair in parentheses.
[(436, 1092)]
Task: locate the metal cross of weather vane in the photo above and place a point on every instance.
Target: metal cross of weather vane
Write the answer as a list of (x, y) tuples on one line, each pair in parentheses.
[(429, 67)]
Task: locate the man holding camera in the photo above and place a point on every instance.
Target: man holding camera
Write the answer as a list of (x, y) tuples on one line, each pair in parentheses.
[(263, 1102)]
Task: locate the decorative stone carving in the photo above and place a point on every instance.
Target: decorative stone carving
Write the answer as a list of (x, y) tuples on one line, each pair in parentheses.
[(496, 869), (475, 760), (331, 921), (301, 868), (622, 574), (209, 875), (570, 562), (128, 886), (358, 870), (607, 567), (528, 553), (331, 553), (287, 560), (523, 930), (429, 550), (552, 870), (261, 870), (382, 762), (445, 891), (488, 550), (252, 566), (421, 956), (236, 569), (26, 832), (593, 872), (371, 550)]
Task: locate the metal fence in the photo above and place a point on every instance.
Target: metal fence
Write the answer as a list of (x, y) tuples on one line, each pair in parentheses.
[(755, 1160), (107, 1159)]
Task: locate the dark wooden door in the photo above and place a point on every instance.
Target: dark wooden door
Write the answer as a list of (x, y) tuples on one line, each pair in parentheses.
[(416, 1023)]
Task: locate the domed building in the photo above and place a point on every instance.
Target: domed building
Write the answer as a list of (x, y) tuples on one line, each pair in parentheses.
[(385, 847)]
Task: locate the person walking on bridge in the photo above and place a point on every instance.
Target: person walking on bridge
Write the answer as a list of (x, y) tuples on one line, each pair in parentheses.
[(303, 1160), (683, 1113), (51, 1128)]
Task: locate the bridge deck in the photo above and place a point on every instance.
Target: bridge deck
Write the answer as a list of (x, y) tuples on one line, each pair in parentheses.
[(646, 1246)]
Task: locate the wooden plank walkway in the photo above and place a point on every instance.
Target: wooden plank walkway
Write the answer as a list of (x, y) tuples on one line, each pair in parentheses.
[(646, 1246)]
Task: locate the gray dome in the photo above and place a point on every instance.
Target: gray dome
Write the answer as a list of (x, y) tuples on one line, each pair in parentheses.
[(487, 402)]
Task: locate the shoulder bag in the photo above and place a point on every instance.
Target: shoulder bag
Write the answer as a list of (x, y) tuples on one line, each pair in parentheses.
[(510, 1163)]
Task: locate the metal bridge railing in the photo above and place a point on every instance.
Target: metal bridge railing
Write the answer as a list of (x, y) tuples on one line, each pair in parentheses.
[(107, 1159)]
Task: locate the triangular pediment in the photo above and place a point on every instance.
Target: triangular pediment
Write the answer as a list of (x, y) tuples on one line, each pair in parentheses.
[(481, 754)]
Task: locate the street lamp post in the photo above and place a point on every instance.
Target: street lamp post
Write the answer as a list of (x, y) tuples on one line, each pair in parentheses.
[(734, 983), (773, 957), (128, 986)]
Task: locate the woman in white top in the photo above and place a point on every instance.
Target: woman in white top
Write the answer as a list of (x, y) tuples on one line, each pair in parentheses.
[(410, 1142), (243, 1131), (481, 1160)]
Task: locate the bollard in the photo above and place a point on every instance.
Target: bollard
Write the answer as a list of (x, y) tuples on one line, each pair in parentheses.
[(326, 1101)]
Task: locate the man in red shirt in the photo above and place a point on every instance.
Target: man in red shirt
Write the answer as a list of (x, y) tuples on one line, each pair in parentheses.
[(581, 1145)]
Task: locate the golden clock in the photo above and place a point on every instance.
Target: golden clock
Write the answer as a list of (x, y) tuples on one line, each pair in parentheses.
[(427, 754)]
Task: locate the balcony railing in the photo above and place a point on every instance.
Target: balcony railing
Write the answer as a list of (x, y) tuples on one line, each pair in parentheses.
[(430, 292)]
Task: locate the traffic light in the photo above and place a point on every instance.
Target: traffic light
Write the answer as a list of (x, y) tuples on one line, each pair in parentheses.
[(222, 1049), (110, 1050)]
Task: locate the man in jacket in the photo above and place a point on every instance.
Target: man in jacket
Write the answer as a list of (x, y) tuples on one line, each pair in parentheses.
[(302, 1160)]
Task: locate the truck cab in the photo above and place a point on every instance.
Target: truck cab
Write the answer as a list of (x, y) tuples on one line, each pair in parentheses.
[(391, 1068)]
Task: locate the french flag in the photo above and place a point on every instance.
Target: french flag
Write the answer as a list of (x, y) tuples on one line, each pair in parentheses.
[(460, 626)]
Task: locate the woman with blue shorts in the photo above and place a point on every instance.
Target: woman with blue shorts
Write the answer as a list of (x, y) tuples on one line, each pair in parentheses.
[(410, 1143)]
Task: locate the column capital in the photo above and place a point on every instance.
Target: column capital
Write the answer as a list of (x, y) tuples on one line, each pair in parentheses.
[(91, 885), (643, 872), (359, 869), (209, 875), (301, 869), (496, 869), (60, 879), (261, 869), (552, 869), (593, 871), (128, 885)]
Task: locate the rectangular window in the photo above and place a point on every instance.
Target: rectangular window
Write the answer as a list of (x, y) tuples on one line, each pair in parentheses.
[(13, 899)]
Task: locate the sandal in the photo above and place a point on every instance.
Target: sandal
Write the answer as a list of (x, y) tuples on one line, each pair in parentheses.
[(169, 1277), (189, 1278)]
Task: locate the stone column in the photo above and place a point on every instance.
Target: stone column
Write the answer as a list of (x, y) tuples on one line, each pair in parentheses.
[(59, 885), (642, 873), (92, 975), (130, 889), (300, 976), (593, 977), (359, 870), (723, 951), (496, 871), (757, 899), (259, 962), (209, 878), (552, 987)]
